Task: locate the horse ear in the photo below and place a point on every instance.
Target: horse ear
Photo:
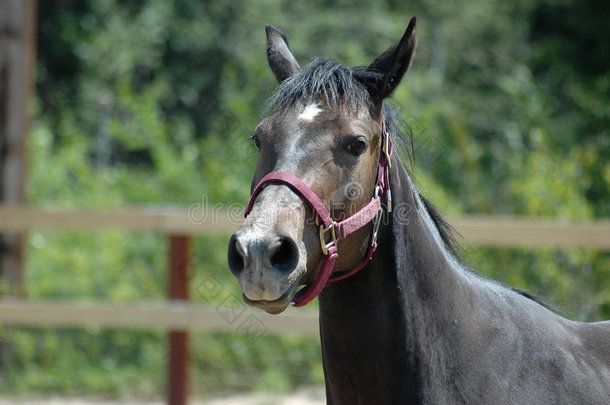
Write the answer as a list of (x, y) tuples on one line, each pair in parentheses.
[(383, 74), (281, 61)]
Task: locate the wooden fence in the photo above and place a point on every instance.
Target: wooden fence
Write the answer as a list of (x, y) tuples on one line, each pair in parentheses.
[(493, 231), (179, 316)]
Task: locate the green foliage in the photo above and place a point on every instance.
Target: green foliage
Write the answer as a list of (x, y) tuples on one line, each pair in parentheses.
[(90, 361), (151, 102)]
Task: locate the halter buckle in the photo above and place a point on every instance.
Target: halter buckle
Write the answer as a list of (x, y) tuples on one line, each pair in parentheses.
[(333, 237)]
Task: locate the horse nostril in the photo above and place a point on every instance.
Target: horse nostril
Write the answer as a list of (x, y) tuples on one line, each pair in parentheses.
[(284, 255), (236, 255)]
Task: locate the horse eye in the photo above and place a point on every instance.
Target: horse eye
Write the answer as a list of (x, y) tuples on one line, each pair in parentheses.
[(257, 142), (356, 146)]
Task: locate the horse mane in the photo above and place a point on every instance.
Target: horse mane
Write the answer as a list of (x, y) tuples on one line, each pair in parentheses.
[(402, 135), (449, 235), (451, 239)]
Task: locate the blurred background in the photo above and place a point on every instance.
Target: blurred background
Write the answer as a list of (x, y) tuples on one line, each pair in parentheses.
[(149, 102)]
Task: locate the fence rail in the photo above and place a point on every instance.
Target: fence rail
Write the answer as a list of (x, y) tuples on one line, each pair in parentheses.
[(165, 315), (477, 230)]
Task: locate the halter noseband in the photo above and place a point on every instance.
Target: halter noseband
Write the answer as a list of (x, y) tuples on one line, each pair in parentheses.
[(330, 230)]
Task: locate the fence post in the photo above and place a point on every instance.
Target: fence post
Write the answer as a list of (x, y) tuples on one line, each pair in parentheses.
[(177, 379), (17, 67)]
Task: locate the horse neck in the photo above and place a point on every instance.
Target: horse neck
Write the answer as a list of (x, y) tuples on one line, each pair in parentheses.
[(399, 309)]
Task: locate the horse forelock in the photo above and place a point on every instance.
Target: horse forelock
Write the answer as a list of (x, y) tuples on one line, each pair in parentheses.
[(323, 80)]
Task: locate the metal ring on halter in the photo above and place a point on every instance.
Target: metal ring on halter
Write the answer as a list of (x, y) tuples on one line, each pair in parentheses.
[(376, 223), (386, 147), (377, 219)]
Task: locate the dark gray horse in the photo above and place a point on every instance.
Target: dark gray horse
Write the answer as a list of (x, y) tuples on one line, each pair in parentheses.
[(413, 325)]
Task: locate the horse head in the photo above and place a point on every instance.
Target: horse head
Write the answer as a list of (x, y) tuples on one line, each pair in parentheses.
[(320, 153)]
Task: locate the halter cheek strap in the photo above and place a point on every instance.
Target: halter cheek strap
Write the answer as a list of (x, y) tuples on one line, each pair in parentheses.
[(331, 231)]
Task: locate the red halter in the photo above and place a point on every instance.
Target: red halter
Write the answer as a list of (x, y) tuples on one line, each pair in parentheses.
[(331, 231)]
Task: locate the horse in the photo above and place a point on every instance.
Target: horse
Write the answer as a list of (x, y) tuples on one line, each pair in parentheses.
[(335, 213)]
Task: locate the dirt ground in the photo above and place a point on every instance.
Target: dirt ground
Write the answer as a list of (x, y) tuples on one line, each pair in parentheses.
[(304, 396)]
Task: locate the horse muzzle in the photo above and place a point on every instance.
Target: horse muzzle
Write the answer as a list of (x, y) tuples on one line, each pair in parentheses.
[(268, 258)]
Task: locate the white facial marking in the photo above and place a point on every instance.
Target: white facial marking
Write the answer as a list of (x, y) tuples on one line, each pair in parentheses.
[(310, 112)]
